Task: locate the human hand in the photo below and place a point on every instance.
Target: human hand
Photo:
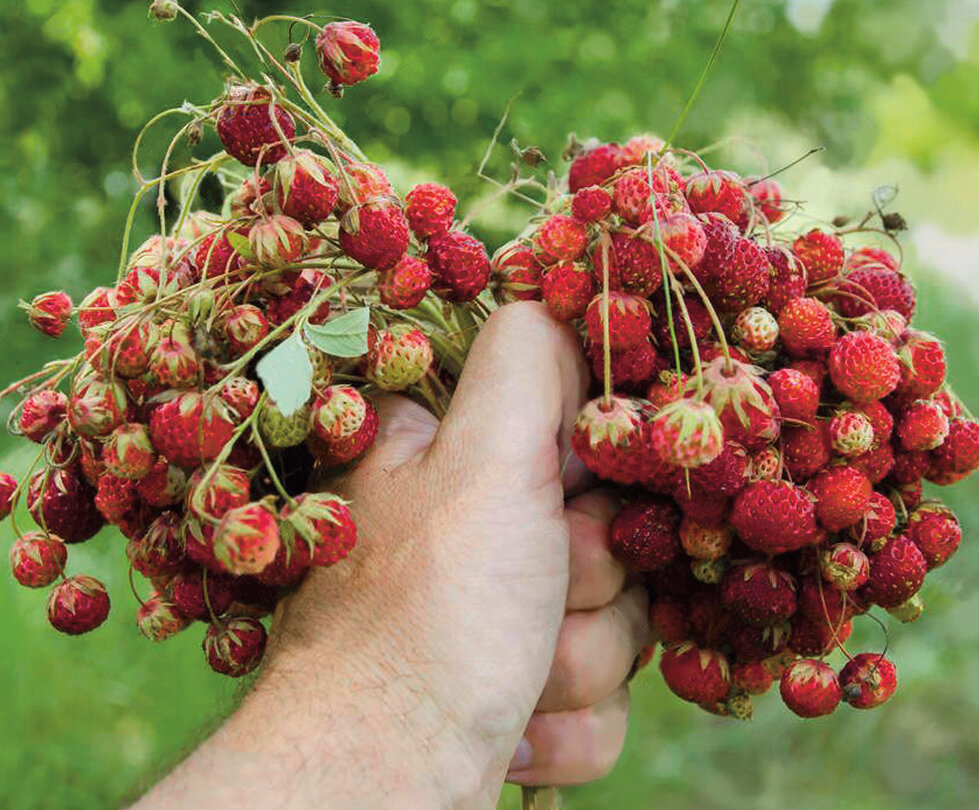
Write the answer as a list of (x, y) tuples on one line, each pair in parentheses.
[(481, 617)]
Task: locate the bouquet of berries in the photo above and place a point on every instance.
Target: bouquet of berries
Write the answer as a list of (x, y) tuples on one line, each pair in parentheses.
[(235, 356), (767, 409)]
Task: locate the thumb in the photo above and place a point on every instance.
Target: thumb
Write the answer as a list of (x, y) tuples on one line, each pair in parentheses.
[(519, 393)]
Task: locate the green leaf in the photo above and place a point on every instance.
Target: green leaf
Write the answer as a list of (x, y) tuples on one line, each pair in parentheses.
[(241, 244), (287, 375), (343, 336)]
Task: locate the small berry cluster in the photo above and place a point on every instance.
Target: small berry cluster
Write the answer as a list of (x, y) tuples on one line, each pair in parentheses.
[(233, 362), (767, 410)]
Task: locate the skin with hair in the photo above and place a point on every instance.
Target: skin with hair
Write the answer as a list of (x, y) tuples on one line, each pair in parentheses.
[(480, 632)]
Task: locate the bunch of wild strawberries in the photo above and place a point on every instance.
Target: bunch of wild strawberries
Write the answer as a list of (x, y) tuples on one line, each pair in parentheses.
[(234, 361), (768, 407)]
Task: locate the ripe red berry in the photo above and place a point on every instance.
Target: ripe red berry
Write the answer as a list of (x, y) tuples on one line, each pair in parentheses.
[(877, 522), (613, 440), (743, 281), (743, 402), (774, 517), (63, 503), (935, 530), (430, 209), (460, 265), (158, 619), (77, 605), (870, 287), (863, 367), (160, 551), (868, 680), (767, 194), (788, 278), (722, 192), (591, 204), (191, 429), (234, 647), (806, 328), (375, 234), (634, 262), (810, 688), (758, 593), (922, 366), (37, 559), (560, 238), (567, 289), (821, 253), (687, 433), (923, 426), (49, 313), (806, 450), (844, 566), (247, 539), (697, 674), (595, 166), (306, 189), (41, 412), (842, 495), (246, 129), (959, 453), (277, 240), (896, 573), (796, 394), (404, 285), (628, 320), (348, 52), (644, 534), (187, 591)]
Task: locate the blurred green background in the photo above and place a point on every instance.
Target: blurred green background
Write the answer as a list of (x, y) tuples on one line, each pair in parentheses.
[(886, 86)]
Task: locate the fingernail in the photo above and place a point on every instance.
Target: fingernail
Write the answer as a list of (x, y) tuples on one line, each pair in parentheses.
[(522, 757)]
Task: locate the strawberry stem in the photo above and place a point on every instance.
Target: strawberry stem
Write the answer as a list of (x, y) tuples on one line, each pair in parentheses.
[(712, 313), (606, 345)]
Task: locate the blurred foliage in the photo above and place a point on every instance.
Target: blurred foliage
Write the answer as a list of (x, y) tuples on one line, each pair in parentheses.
[(885, 85)]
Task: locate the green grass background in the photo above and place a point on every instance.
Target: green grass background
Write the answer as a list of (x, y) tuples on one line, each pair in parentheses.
[(886, 87)]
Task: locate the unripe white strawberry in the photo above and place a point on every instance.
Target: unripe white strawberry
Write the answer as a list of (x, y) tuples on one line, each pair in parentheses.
[(399, 357), (851, 433), (755, 329)]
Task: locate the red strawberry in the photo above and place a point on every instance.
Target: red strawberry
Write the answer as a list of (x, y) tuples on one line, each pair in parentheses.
[(684, 240), (323, 522), (630, 367), (300, 291), (628, 320), (644, 534), (49, 313), (867, 288), (767, 194), (431, 209), (160, 551), (128, 452), (876, 464), (722, 237), (459, 264), (217, 258), (631, 197), (362, 183), (687, 433), (721, 192), (634, 262), (756, 642), (77, 605), (636, 149), (935, 530), (567, 290), (868, 680), (743, 402), (115, 497), (290, 564), (896, 573), (518, 271), (305, 187), (344, 425), (744, 281), (37, 559), (613, 440), (163, 485), (41, 413), (276, 240), (61, 502), (696, 674), (404, 285), (560, 238), (246, 129), (844, 566), (922, 366), (755, 329), (796, 394), (96, 308), (880, 418), (851, 433), (788, 278), (817, 636), (241, 395), (234, 647), (863, 367), (725, 475), (376, 235), (877, 522), (8, 486), (594, 167), (125, 351), (823, 602), (191, 429), (806, 328), (821, 253), (759, 593), (810, 688), (212, 493), (348, 52), (806, 450), (959, 454), (591, 204), (187, 591), (871, 257), (842, 495), (158, 619), (96, 406), (247, 539), (774, 517), (923, 426), (668, 387)]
